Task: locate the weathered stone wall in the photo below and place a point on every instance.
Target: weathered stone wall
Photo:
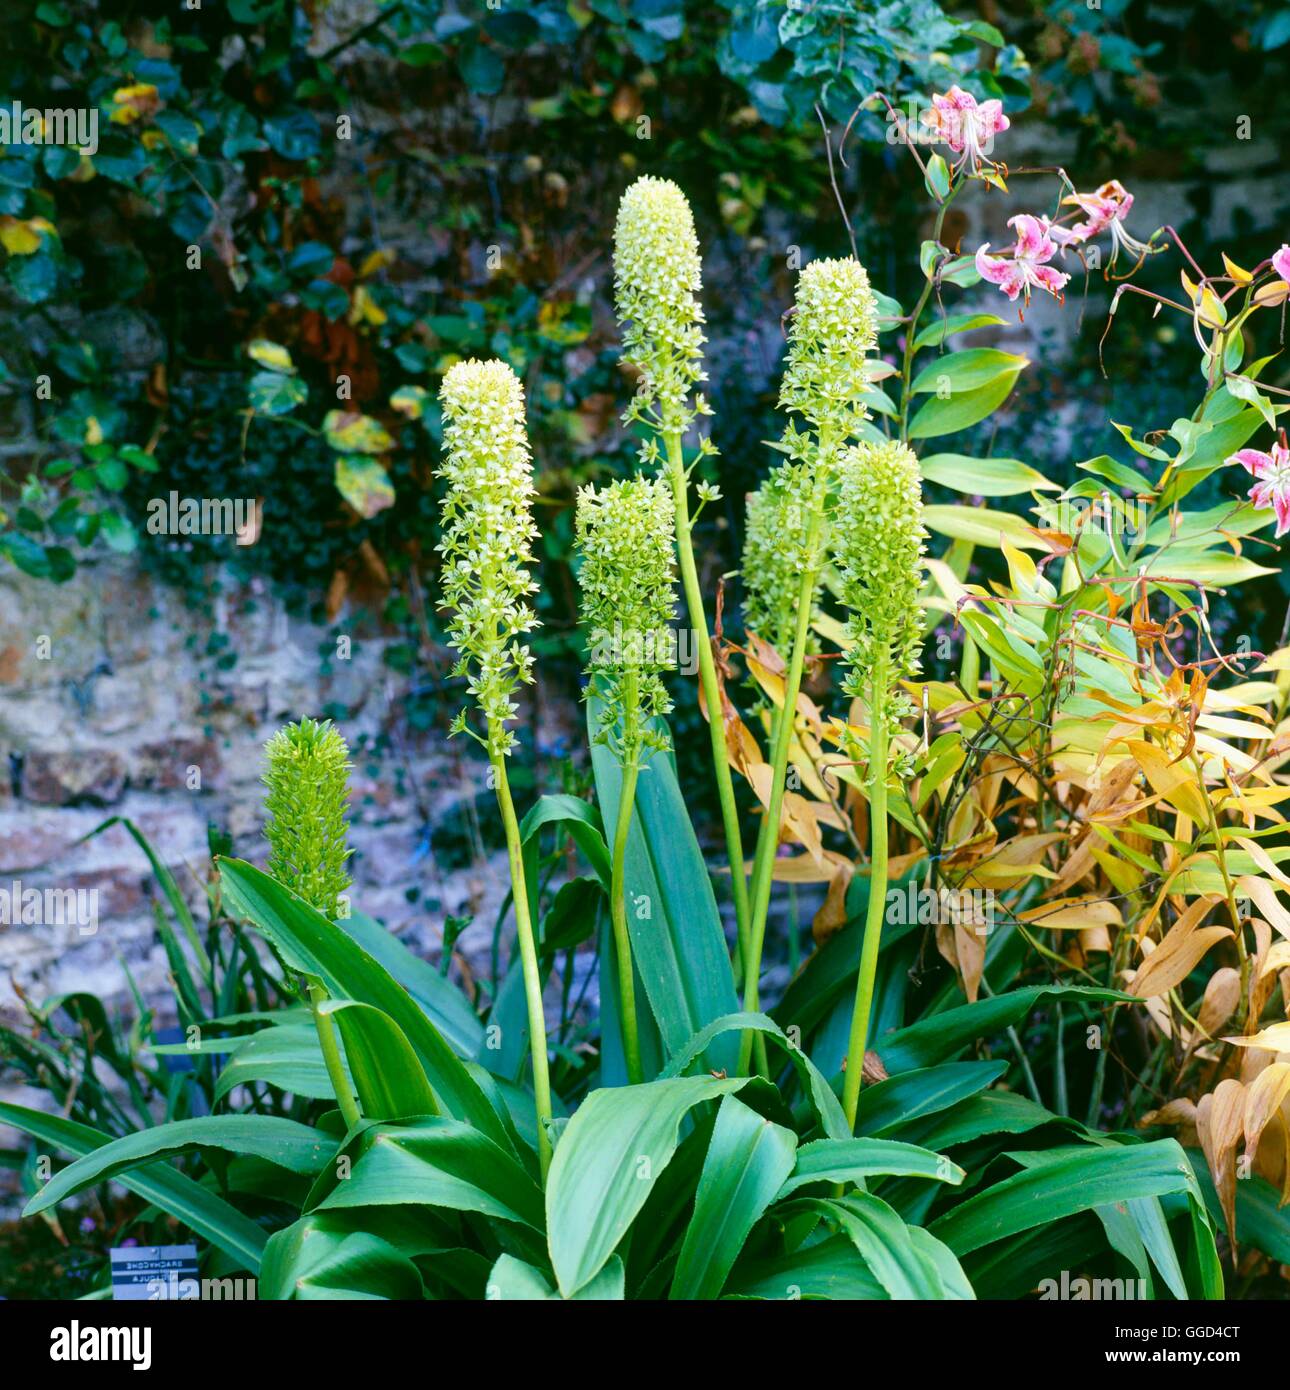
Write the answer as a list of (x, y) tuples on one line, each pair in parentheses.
[(109, 707)]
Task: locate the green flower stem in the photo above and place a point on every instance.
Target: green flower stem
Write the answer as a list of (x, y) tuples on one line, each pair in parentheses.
[(708, 680), (330, 1045), (768, 836), (622, 940), (878, 748), (528, 960)]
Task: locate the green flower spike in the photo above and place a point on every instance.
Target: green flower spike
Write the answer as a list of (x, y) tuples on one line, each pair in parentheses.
[(488, 534), (307, 804), (834, 324), (307, 830), (878, 551), (776, 539), (627, 578), (657, 276), (624, 535), (487, 544)]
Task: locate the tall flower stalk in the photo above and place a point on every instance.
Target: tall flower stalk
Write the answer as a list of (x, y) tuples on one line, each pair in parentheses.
[(878, 550), (488, 534), (657, 276), (833, 327), (307, 776), (627, 577)]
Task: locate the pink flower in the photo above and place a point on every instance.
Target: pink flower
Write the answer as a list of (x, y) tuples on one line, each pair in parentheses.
[(1105, 209), (968, 128), (1273, 473), (1281, 263), (1023, 267)]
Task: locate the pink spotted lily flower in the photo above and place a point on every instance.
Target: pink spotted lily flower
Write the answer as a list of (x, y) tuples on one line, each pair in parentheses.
[(1024, 266), (1104, 210), (1272, 470), (967, 127), (1281, 263)]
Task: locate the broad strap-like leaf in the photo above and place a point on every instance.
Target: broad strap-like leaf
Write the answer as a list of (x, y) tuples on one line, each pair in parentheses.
[(434, 1162), (678, 943), (817, 1090), (318, 1258), (293, 1146), (309, 943), (443, 1003), (385, 1070), (855, 1160), (940, 1036), (747, 1162), (513, 1281), (905, 1268), (1080, 1180), (892, 1105), (606, 1163), (204, 1213)]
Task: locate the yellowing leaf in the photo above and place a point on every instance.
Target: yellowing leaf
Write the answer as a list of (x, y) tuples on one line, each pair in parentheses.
[(350, 432), (364, 484), (1175, 782), (1266, 1093), (364, 309), (269, 354), (1274, 1038), (1264, 896), (1240, 275), (377, 260), (1074, 914), (22, 238), (130, 104), (409, 401), (1218, 1123), (1178, 954)]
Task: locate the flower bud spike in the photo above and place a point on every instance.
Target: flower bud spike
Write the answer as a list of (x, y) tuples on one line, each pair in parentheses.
[(307, 803)]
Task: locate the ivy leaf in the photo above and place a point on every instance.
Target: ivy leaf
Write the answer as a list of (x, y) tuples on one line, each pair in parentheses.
[(270, 354), (275, 393), (481, 70), (293, 136), (364, 484), (348, 432), (409, 401)]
